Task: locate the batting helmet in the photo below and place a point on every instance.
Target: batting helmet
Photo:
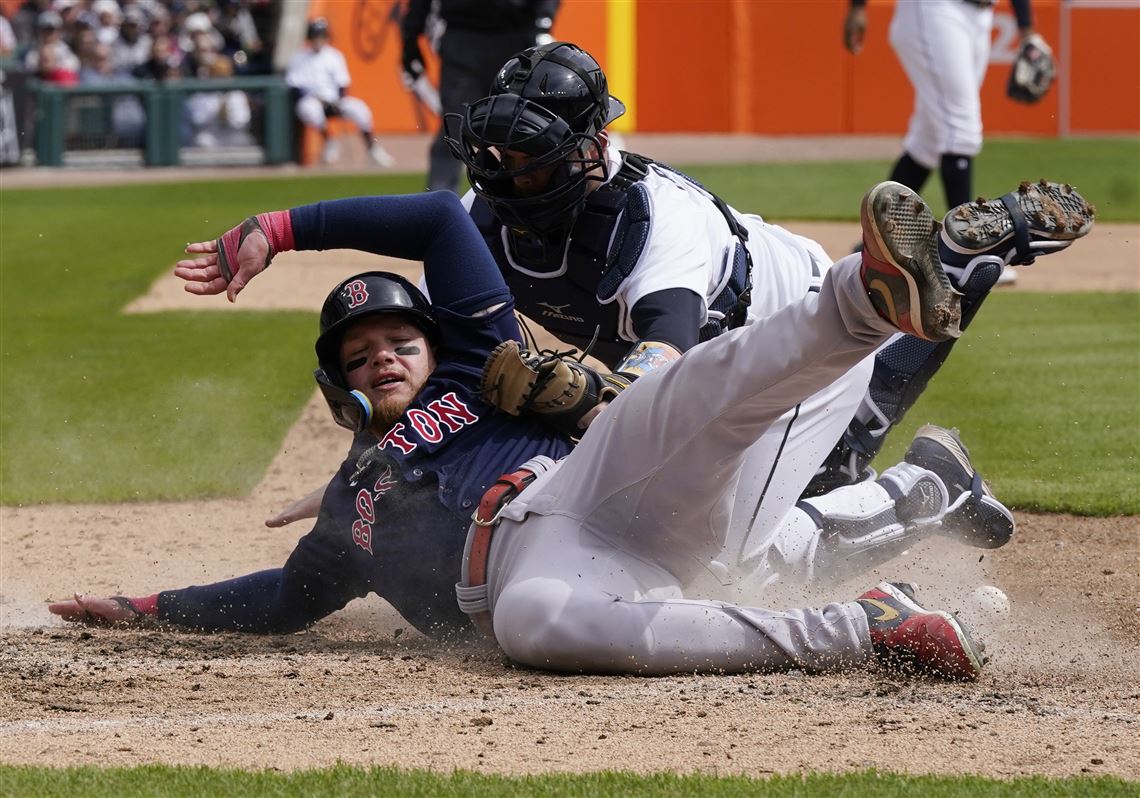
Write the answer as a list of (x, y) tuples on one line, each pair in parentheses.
[(367, 294)]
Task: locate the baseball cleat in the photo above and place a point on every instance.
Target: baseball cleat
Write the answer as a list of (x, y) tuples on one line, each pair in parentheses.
[(901, 270), (908, 637), (973, 515), (1037, 219)]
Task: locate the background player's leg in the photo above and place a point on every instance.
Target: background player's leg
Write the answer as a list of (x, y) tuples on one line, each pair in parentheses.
[(910, 172)]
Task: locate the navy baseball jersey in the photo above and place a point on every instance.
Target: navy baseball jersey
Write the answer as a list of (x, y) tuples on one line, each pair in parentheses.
[(394, 518)]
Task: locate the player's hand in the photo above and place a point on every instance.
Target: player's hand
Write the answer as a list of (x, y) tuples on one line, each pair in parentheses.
[(855, 29), (96, 611), (204, 276), (305, 507)]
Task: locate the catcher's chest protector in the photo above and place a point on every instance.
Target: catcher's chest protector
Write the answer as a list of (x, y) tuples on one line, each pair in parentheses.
[(563, 288), (571, 290)]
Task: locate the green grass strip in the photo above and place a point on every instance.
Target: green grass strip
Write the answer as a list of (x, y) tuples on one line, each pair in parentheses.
[(348, 782), (1106, 171), (1046, 391)]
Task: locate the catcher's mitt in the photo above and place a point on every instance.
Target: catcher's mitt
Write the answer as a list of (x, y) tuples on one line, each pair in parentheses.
[(548, 384), (1033, 71)]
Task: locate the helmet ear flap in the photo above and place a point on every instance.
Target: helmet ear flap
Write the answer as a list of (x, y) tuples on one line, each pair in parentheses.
[(350, 409)]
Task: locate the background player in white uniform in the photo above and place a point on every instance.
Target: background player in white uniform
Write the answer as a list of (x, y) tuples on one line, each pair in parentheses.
[(319, 74), (944, 47)]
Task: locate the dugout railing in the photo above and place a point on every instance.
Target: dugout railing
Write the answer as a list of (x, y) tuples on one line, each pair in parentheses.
[(158, 123)]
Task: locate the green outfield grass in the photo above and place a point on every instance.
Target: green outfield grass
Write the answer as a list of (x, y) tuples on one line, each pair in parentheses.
[(98, 406), (347, 782), (1106, 171)]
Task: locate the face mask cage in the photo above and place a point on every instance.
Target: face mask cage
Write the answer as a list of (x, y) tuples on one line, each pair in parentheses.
[(525, 161)]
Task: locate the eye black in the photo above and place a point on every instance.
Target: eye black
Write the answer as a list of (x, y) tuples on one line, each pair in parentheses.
[(355, 363)]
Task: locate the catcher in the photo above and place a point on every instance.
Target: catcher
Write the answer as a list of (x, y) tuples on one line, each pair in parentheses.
[(585, 571)]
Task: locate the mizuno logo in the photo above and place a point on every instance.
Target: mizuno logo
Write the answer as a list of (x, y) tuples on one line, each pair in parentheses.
[(559, 312), (888, 613)]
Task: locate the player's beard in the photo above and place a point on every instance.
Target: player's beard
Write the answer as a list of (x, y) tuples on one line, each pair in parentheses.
[(388, 410)]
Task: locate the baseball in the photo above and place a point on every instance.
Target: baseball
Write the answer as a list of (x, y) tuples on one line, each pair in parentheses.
[(991, 601)]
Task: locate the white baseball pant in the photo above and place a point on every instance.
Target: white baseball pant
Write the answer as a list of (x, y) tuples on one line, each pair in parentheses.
[(586, 570), (311, 112), (944, 47)]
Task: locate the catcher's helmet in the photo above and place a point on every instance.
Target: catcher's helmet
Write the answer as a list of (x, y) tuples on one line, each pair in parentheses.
[(318, 27), (548, 103), (565, 80), (358, 297)]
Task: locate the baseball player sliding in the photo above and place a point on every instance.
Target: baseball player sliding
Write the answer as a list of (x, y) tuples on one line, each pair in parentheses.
[(585, 569)]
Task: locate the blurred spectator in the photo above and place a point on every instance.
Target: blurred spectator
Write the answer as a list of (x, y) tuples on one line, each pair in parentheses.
[(98, 67), (128, 119), (319, 75), (74, 16), (219, 118), (7, 37), (479, 36), (9, 141), (84, 44), (241, 41), (25, 19), (194, 28), (132, 47), (51, 59), (164, 62), (51, 67), (107, 18)]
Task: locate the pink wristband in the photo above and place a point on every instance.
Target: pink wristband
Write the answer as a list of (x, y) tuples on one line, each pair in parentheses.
[(277, 226), (147, 605), (278, 229)]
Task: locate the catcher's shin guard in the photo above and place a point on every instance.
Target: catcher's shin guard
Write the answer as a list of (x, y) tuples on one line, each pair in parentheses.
[(902, 370), (891, 514)]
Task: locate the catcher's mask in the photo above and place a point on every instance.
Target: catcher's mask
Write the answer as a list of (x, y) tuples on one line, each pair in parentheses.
[(548, 105), (366, 294)]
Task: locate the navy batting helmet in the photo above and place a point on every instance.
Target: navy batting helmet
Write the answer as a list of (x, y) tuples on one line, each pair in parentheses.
[(367, 294)]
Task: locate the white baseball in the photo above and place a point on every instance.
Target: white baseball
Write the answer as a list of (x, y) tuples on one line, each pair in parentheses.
[(991, 600)]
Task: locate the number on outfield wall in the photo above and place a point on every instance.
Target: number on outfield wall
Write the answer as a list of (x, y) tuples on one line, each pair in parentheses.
[(1006, 39)]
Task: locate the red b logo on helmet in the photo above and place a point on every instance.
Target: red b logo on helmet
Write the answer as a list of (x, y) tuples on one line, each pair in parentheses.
[(357, 293)]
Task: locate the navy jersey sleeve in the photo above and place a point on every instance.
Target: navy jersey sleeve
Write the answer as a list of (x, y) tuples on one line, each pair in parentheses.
[(433, 227), (315, 581)]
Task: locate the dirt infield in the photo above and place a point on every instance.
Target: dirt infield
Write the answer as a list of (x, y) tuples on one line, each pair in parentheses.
[(1061, 696)]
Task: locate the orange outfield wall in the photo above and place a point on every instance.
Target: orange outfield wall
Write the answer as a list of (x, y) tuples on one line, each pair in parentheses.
[(778, 67)]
